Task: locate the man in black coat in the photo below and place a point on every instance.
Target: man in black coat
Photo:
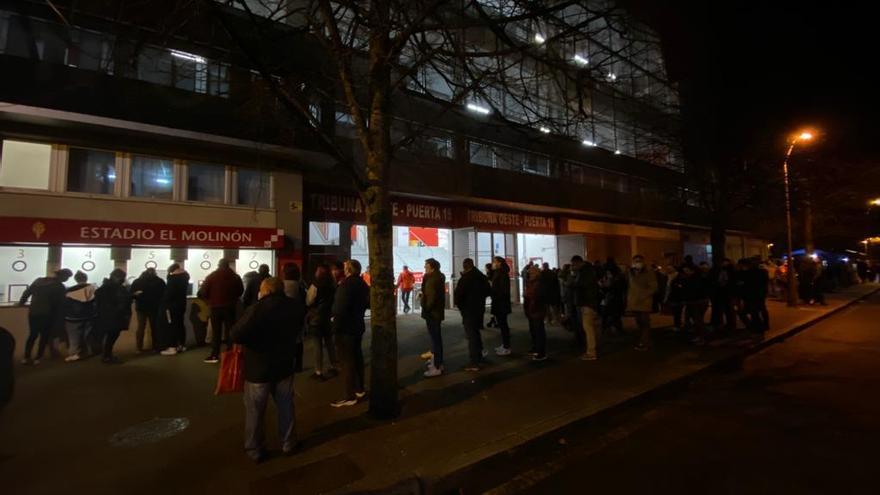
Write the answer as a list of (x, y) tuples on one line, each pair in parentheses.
[(147, 291), (470, 298), (501, 302), (172, 308), (113, 304), (268, 331), (45, 313), (350, 302)]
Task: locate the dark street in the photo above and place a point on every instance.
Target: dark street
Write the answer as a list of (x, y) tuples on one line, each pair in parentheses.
[(799, 417)]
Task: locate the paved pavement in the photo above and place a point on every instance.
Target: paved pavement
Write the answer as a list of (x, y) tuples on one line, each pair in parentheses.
[(799, 417), (62, 430)]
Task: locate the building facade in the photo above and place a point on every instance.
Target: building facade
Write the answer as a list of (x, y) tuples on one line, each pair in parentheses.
[(127, 148)]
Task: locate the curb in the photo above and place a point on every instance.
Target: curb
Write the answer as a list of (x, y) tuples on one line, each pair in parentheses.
[(450, 483)]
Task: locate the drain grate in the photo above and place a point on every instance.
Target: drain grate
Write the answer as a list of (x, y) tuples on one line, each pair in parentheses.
[(150, 431)]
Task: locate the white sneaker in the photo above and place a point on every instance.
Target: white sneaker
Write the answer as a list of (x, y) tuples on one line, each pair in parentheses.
[(72, 358), (432, 372), (171, 351), (344, 403), (360, 395), (485, 352), (502, 351)]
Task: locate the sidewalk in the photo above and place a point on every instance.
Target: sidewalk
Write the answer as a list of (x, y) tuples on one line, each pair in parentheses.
[(55, 433)]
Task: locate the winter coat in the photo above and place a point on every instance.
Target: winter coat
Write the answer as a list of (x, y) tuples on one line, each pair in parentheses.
[(79, 303), (550, 287), (252, 282), (47, 297), (694, 288), (471, 293), (319, 300), (7, 379), (222, 288), (501, 291), (433, 296), (350, 302), (535, 298), (113, 306), (147, 291), (584, 287), (176, 289), (269, 338), (641, 290)]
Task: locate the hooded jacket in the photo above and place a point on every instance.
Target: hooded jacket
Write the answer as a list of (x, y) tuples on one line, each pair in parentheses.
[(113, 305), (79, 303), (174, 297)]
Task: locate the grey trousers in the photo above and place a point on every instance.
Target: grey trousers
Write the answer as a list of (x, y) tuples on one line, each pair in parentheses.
[(77, 333), (256, 397)]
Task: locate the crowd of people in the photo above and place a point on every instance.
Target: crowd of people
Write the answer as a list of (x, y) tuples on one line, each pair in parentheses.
[(270, 316)]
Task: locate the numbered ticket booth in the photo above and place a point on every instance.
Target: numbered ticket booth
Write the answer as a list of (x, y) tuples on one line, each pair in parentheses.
[(35, 247)]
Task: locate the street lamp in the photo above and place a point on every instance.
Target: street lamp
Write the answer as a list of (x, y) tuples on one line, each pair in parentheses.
[(874, 202), (804, 136)]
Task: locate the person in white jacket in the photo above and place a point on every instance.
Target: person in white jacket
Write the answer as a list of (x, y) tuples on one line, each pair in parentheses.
[(79, 311)]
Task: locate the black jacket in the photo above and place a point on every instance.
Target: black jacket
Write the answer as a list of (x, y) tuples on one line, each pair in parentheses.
[(321, 308), (550, 287), (174, 297), (584, 287), (350, 302), (471, 293), (501, 291), (269, 331), (151, 288), (79, 303), (47, 297), (433, 296), (113, 305), (252, 283)]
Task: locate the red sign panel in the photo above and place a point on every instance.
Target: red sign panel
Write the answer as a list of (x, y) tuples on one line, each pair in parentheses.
[(333, 207), (510, 222), (342, 207), (57, 231)]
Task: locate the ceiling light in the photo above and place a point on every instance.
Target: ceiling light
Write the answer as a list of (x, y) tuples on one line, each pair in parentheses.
[(188, 56), (539, 38), (478, 109), (581, 60), (587, 142)]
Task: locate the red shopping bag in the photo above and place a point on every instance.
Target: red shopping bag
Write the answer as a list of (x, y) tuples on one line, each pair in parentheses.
[(231, 376)]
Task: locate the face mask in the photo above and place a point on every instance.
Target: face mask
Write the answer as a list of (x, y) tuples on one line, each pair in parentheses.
[(638, 265)]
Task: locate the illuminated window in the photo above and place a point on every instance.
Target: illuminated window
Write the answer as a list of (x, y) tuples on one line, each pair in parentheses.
[(152, 177), (91, 171)]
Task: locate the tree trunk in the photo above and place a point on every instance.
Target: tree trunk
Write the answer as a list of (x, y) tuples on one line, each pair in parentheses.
[(718, 238), (383, 307)]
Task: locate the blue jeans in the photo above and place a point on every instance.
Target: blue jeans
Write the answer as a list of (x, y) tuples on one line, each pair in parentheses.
[(256, 397), (436, 340)]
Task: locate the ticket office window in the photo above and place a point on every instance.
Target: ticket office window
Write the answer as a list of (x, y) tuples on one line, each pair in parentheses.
[(19, 267), (96, 262), (249, 260), (149, 257), (200, 263)]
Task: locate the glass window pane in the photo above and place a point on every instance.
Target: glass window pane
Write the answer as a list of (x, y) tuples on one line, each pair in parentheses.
[(152, 177), (25, 165), (200, 263), (91, 171), (253, 188), (19, 266), (95, 262), (148, 257), (323, 234), (249, 260), (206, 182)]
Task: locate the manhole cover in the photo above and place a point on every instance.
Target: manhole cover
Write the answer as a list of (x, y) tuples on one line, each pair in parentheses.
[(149, 432)]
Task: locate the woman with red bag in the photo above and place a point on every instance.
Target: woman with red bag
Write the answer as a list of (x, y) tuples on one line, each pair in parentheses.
[(269, 331)]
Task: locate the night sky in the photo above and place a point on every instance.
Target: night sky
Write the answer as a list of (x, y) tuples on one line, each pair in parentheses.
[(760, 70)]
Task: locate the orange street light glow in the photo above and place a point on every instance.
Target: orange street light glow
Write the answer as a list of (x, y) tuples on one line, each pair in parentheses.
[(875, 202), (805, 136)]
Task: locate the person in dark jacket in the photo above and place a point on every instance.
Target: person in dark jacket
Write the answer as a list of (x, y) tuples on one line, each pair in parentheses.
[(7, 376), (550, 289), (584, 287), (172, 309), (350, 303), (199, 316), (45, 312), (433, 302), (268, 331), (723, 291), (319, 301), (252, 282), (754, 295), (147, 291), (222, 289), (535, 307), (79, 315), (470, 299), (695, 296), (113, 305), (501, 302), (295, 287)]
